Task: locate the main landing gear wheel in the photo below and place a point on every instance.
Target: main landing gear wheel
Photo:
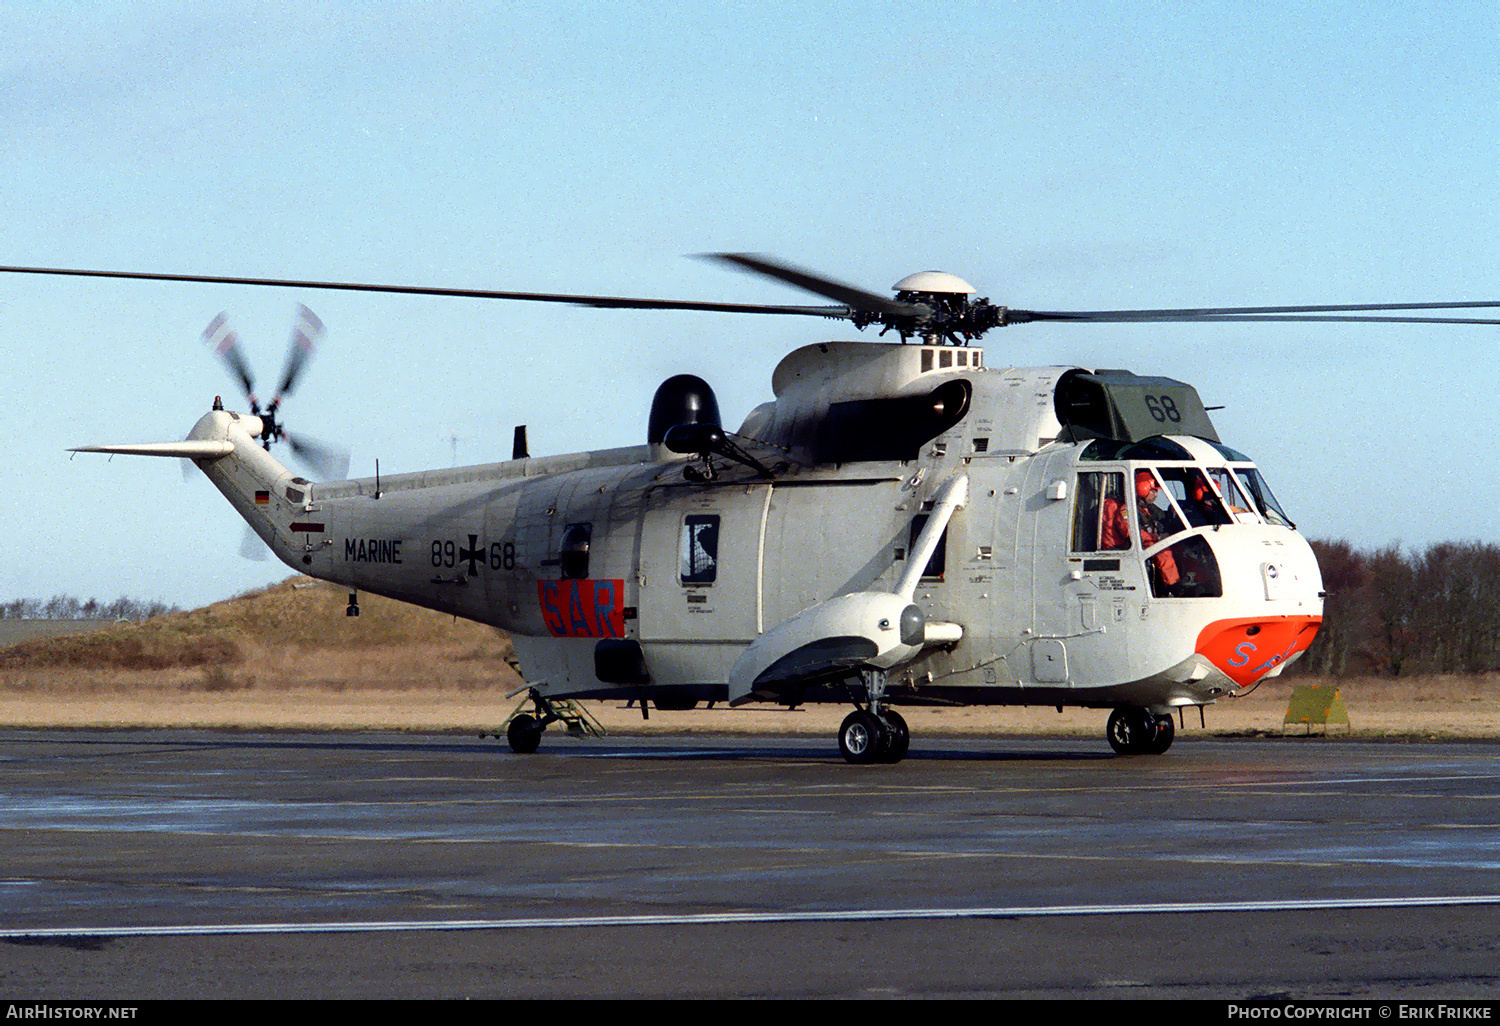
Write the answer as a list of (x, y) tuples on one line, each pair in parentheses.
[(862, 738), (866, 738), (900, 736), (875, 733), (1136, 731), (1166, 730), (524, 734)]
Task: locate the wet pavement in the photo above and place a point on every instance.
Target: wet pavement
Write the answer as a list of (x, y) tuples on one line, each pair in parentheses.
[(104, 832)]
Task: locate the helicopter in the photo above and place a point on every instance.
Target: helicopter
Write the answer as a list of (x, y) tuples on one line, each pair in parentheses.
[(902, 524)]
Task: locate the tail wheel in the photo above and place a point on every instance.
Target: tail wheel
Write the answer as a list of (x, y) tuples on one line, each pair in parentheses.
[(524, 734)]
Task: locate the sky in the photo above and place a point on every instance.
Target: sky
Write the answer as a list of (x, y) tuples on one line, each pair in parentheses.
[(1057, 156)]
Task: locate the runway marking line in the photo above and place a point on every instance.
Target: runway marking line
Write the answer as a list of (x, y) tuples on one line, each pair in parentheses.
[(724, 918)]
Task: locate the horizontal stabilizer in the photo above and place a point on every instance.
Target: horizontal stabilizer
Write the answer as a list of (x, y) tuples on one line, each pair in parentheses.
[(205, 449)]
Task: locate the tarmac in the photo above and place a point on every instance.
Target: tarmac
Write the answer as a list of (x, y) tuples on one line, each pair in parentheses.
[(172, 864)]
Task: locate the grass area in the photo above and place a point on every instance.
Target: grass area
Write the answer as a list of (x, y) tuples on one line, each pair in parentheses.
[(288, 658)]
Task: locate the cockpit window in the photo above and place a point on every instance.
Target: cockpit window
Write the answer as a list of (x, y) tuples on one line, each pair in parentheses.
[(1239, 506), (1253, 485), (1195, 496), (1232, 455), (1259, 491), (1187, 569), (1158, 520)]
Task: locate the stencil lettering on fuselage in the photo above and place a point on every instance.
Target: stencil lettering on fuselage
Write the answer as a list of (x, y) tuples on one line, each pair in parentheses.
[(368, 550), (583, 608)]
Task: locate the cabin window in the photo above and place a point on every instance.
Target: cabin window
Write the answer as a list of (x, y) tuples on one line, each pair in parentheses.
[(700, 548), (1100, 523), (573, 553)]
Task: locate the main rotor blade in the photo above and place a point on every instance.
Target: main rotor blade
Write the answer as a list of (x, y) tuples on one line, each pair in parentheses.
[(305, 335), (607, 302), (1355, 312), (857, 298)]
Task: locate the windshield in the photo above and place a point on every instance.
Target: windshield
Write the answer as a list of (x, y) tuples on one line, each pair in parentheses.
[(1239, 506), (1252, 483), (1255, 485), (1195, 496)]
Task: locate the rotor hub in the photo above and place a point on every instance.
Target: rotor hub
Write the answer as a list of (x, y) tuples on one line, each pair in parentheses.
[(933, 281), (944, 311)]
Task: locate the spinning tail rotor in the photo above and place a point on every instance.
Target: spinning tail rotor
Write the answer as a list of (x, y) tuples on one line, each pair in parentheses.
[(326, 461)]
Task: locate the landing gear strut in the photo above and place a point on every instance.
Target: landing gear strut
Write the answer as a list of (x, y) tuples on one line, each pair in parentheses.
[(523, 730), (875, 733), (1136, 731)]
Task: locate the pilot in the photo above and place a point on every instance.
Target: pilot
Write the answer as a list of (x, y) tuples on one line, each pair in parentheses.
[(1114, 530), (1203, 510), (1154, 525)]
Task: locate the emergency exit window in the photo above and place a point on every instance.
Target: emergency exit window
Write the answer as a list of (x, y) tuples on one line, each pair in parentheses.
[(700, 548), (1099, 518)]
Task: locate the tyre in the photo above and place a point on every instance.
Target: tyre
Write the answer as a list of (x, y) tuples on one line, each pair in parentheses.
[(900, 736), (1166, 730), (524, 734), (862, 738), (1131, 730)]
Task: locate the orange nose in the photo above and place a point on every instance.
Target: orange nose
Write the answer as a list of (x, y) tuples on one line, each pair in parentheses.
[(1248, 648)]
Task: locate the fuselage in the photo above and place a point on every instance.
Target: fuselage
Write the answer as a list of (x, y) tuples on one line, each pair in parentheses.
[(1070, 583)]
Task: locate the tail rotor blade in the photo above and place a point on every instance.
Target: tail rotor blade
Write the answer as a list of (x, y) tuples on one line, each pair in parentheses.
[(252, 547), (329, 462), (305, 335), (226, 345)]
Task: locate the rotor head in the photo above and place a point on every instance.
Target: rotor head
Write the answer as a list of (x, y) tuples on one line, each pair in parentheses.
[(933, 281)]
